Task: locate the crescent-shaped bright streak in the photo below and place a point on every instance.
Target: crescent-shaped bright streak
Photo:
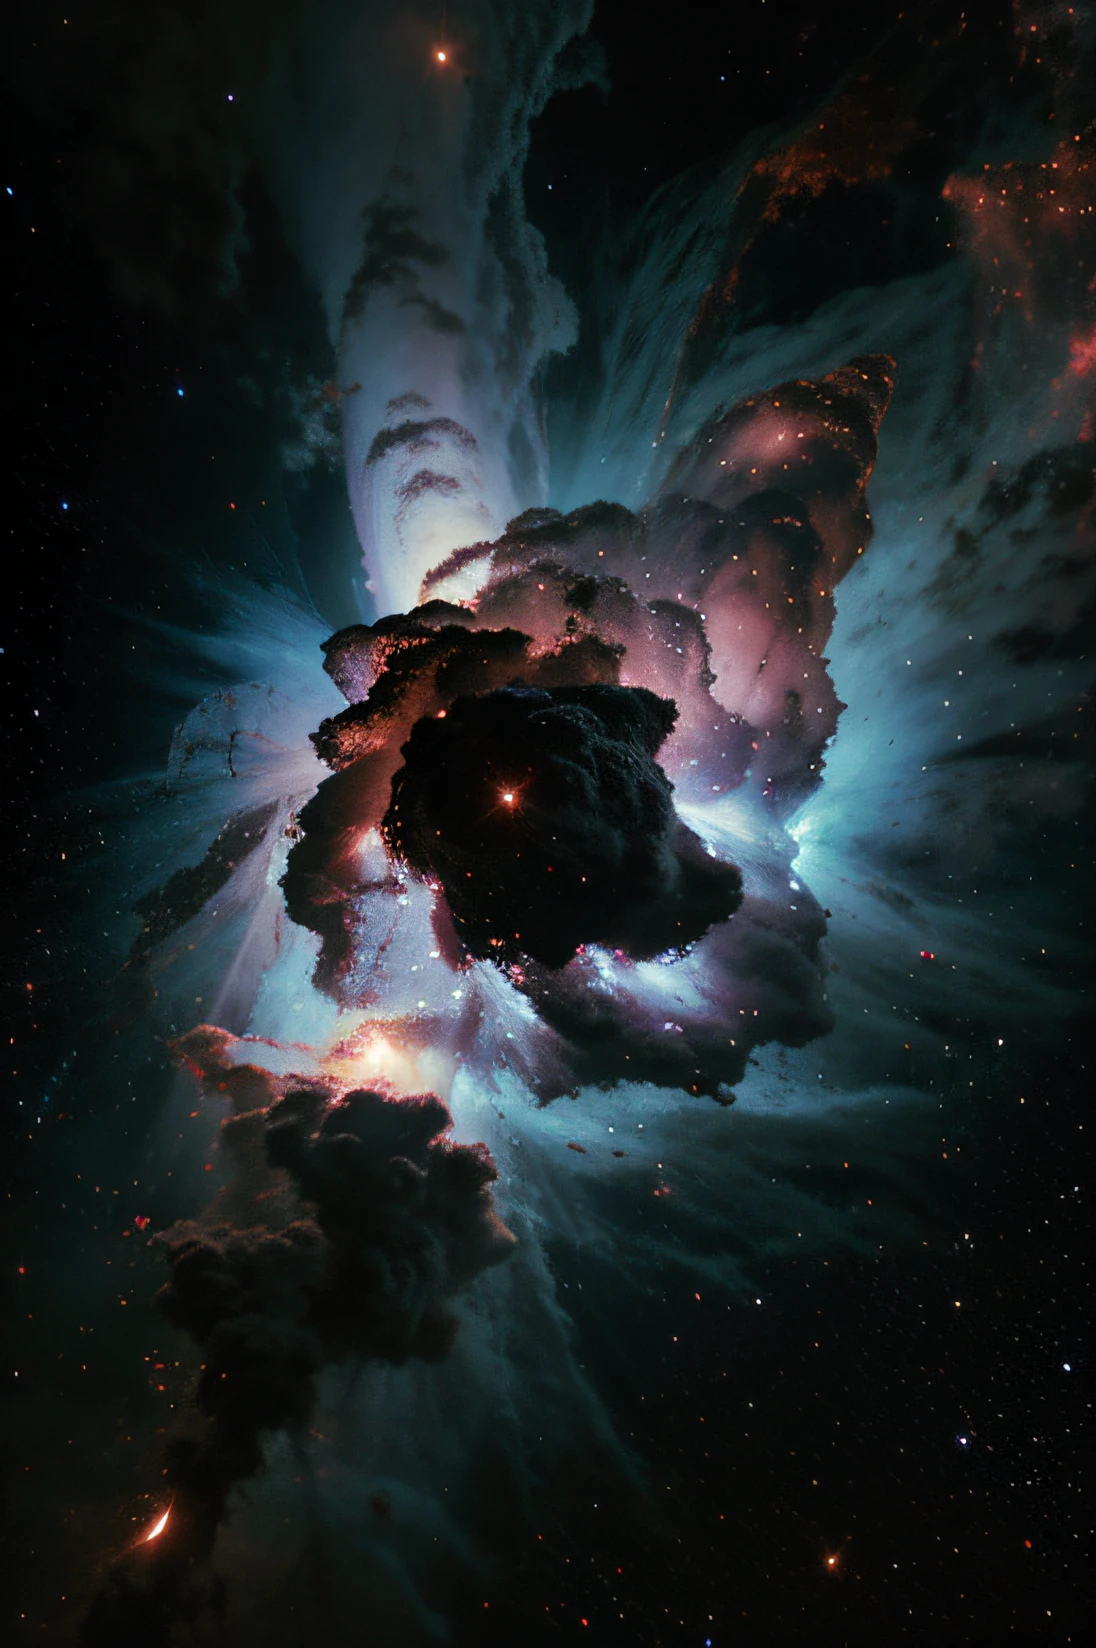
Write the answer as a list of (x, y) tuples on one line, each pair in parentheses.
[(158, 1527)]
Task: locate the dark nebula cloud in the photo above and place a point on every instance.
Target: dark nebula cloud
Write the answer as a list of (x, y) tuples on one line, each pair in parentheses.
[(350, 1226), (549, 824)]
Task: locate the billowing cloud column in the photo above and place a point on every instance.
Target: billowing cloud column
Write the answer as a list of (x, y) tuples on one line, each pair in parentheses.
[(395, 152)]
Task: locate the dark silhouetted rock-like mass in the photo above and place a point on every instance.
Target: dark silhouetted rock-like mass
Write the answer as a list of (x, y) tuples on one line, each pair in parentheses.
[(549, 825), (356, 1223)]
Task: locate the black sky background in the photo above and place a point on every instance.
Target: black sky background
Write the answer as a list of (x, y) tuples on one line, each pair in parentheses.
[(862, 1375)]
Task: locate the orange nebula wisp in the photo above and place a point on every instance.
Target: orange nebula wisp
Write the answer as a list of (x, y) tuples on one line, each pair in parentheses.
[(157, 1527)]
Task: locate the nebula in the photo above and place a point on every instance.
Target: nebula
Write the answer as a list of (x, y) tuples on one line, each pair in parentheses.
[(739, 754), (529, 719), (351, 1223)]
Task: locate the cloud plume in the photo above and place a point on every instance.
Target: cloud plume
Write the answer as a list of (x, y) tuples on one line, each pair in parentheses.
[(350, 1226)]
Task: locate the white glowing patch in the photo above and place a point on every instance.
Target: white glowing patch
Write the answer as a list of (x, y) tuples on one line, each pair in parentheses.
[(461, 586), (157, 1527), (368, 1058)]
